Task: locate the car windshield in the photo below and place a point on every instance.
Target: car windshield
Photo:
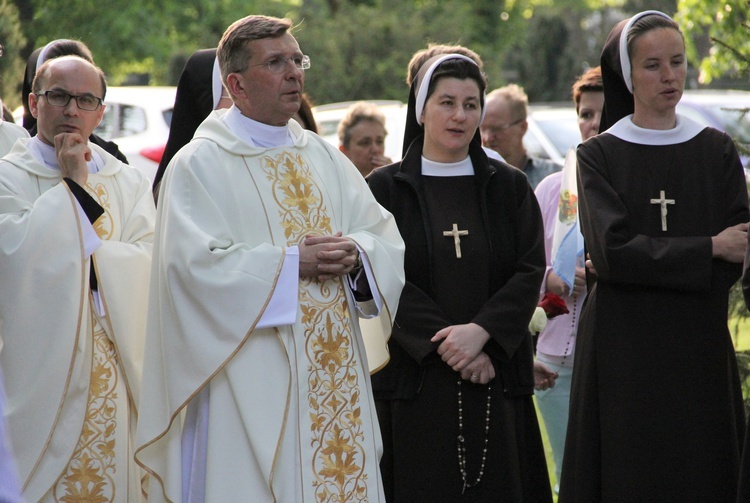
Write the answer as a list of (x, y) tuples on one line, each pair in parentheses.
[(561, 131)]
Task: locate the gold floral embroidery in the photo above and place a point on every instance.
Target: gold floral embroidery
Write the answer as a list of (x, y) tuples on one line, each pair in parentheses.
[(332, 372), (89, 475), (103, 224)]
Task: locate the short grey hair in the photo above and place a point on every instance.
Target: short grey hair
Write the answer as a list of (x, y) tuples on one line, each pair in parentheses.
[(356, 113), (232, 52)]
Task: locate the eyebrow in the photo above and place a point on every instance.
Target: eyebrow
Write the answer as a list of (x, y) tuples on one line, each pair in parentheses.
[(453, 97)]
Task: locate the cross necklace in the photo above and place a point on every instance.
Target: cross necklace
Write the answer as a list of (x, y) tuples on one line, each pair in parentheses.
[(456, 234), (663, 202)]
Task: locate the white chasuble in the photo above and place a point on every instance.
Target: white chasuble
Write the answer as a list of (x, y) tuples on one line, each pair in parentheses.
[(72, 373), (336, 461), (290, 416)]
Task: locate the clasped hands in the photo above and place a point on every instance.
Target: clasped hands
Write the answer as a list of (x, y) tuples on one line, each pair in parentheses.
[(326, 257), (461, 348)]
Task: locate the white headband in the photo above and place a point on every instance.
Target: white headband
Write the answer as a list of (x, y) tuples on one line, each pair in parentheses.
[(624, 56), (217, 88), (43, 53), (421, 97)]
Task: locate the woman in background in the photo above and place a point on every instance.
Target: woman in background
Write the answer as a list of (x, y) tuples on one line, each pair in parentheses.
[(362, 136), (553, 368)]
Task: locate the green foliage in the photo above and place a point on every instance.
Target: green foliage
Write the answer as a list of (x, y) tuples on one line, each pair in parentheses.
[(726, 23), (11, 65)]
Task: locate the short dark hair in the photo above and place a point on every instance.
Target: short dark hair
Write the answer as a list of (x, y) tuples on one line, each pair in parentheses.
[(458, 69), (232, 51)]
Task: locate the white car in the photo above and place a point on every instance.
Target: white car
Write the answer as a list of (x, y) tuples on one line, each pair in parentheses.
[(327, 118), (137, 119), (553, 128)]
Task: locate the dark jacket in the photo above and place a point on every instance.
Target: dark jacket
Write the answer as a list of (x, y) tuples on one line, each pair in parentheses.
[(513, 224)]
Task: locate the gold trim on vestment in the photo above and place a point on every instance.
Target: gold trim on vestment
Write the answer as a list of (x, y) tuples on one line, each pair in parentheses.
[(82, 296), (333, 387), (90, 473), (178, 409)]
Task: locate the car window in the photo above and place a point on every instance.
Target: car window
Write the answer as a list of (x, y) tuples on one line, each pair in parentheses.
[(167, 114), (132, 120), (563, 133), (533, 146), (107, 128)]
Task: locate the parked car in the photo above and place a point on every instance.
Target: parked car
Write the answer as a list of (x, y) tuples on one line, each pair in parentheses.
[(327, 118), (137, 118), (553, 130), (726, 110)]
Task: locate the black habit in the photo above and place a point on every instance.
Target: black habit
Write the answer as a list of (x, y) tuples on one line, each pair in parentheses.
[(656, 410), (495, 285)]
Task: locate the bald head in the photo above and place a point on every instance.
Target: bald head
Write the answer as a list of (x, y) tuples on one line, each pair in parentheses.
[(66, 98)]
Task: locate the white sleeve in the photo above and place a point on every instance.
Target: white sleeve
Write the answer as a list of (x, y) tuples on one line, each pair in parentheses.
[(282, 308)]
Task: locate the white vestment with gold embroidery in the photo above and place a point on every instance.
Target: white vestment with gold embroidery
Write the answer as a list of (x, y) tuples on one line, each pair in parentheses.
[(72, 375), (290, 410)]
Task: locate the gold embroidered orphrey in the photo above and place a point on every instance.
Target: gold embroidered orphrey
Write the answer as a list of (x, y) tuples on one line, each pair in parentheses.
[(663, 202), (333, 378), (92, 470), (455, 233)]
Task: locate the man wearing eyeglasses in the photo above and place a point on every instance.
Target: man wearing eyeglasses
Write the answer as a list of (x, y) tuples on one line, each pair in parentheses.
[(269, 248), (76, 230), (504, 127)]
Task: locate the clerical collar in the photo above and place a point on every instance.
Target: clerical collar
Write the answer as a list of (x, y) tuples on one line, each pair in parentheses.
[(460, 168), (256, 133), (686, 129), (46, 155)]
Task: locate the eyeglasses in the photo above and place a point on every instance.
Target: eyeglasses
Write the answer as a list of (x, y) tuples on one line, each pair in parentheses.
[(87, 102), (279, 63), (502, 127)]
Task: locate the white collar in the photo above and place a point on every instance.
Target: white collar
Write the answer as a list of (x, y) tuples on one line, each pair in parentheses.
[(256, 133), (45, 154), (445, 169), (686, 129)]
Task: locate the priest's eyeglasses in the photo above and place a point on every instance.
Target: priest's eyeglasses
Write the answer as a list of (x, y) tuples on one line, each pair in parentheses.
[(87, 102), (279, 64)]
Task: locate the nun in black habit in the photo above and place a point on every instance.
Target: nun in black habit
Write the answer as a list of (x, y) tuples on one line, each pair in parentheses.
[(455, 401), (656, 411)]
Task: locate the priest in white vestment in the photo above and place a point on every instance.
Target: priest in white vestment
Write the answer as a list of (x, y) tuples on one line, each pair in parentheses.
[(76, 231), (268, 247)]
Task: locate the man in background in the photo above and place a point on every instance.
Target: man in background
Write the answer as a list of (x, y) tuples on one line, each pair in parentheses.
[(504, 127)]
